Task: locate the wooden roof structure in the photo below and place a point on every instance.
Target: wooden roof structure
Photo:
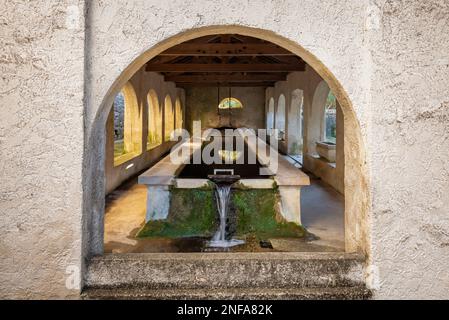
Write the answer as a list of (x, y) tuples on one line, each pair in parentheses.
[(225, 60)]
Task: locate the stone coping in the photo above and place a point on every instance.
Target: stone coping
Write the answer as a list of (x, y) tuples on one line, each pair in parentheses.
[(287, 174), (164, 173), (190, 183), (233, 256)]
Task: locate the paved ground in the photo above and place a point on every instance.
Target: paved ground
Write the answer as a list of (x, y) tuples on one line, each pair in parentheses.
[(322, 214), (125, 215)]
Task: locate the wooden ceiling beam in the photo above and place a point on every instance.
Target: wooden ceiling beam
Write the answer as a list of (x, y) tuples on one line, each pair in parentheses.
[(224, 67), (226, 84), (227, 78), (226, 49)]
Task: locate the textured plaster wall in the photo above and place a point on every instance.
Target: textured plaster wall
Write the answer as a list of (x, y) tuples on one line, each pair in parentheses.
[(409, 158), (386, 59), (202, 105), (41, 143)]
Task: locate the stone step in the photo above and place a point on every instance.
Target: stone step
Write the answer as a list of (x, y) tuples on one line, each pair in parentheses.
[(225, 271), (333, 293)]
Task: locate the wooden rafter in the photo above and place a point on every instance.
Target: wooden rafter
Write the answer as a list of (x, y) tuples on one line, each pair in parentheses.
[(226, 59), (226, 49), (224, 67), (227, 84), (210, 77)]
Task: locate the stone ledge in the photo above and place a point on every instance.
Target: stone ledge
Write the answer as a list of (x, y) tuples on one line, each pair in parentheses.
[(297, 256), (287, 174), (225, 270), (164, 172), (337, 293)]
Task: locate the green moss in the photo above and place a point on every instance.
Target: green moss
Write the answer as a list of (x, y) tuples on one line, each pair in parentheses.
[(119, 148), (257, 215), (153, 140), (208, 187), (192, 213), (240, 186)]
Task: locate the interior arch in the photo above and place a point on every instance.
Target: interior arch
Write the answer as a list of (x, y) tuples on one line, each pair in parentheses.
[(154, 138)]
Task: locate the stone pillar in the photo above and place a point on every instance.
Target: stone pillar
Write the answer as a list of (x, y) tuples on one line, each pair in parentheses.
[(294, 136), (158, 203), (290, 203)]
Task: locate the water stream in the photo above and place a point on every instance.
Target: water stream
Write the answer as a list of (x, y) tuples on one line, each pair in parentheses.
[(223, 196)]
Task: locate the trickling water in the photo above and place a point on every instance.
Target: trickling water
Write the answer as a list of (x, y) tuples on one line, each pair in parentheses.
[(223, 194)]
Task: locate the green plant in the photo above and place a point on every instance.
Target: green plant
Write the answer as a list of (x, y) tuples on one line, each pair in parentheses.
[(192, 213), (257, 215)]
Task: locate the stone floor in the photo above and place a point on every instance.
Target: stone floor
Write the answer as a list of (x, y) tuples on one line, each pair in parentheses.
[(322, 215)]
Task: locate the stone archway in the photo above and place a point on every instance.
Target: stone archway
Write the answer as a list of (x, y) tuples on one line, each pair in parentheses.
[(356, 179), (314, 133)]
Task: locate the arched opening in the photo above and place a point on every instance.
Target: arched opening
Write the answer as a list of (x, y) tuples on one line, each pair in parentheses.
[(355, 182), (127, 125), (169, 118), (230, 103), (315, 132), (330, 119), (154, 138), (178, 114)]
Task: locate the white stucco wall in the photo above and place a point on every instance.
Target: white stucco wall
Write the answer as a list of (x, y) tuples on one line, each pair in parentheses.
[(409, 153), (41, 142), (390, 57)]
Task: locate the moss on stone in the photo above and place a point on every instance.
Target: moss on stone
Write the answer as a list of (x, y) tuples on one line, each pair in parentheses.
[(257, 215), (192, 213), (240, 186)]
